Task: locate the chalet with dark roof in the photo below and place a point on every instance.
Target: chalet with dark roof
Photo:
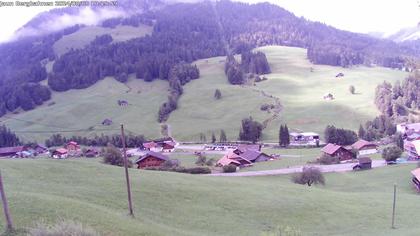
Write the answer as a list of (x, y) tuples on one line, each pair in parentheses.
[(151, 159), (339, 151)]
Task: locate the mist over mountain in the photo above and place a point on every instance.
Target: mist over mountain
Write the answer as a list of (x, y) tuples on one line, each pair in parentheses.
[(407, 34)]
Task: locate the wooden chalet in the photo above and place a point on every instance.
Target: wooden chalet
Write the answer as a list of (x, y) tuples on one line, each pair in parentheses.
[(364, 147), (91, 152), (60, 153), (39, 149), (365, 163), (412, 149), (12, 151), (342, 153), (151, 159), (231, 158), (416, 178), (72, 146)]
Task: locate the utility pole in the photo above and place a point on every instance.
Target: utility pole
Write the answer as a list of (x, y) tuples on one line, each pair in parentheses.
[(9, 226), (127, 178), (393, 206)]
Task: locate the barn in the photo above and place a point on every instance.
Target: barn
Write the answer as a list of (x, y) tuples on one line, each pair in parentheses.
[(151, 159), (364, 147), (11, 151), (232, 158), (412, 148), (342, 153), (255, 156)]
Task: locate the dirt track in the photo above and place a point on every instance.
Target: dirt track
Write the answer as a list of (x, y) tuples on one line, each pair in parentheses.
[(294, 169)]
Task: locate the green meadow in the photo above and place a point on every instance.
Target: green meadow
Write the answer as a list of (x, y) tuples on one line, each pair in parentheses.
[(299, 88), (87, 191)]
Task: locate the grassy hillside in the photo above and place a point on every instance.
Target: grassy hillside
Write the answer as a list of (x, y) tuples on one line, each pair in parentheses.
[(357, 203), (199, 112), (299, 90), (87, 108), (87, 34)]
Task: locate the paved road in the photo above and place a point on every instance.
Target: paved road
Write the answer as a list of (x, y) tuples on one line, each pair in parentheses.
[(294, 169)]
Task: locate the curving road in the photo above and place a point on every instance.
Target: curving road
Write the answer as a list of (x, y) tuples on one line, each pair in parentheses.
[(294, 169)]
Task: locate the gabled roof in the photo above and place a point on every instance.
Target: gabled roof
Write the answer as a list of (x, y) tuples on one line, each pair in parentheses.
[(331, 148), (362, 143), (7, 150), (251, 155), (232, 157), (416, 173), (61, 150), (224, 161), (72, 143), (149, 145), (153, 154)]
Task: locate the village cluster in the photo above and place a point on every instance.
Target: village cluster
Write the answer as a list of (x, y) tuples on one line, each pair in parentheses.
[(155, 152)]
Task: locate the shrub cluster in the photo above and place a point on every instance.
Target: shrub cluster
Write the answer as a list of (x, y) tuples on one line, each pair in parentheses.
[(229, 168)]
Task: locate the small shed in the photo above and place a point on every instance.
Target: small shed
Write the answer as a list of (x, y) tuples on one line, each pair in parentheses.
[(341, 74), (365, 163), (107, 122), (328, 96)]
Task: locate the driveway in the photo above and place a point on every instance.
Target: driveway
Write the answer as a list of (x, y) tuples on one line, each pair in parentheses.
[(294, 169)]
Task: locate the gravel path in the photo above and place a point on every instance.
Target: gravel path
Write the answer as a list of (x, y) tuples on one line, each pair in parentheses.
[(294, 169)]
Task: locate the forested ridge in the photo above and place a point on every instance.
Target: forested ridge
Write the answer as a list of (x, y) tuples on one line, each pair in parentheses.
[(182, 33)]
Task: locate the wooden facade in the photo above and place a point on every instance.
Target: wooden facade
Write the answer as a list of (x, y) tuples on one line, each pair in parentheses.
[(149, 161)]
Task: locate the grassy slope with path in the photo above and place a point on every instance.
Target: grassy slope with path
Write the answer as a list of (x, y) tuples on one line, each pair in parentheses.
[(354, 203), (81, 109), (300, 92)]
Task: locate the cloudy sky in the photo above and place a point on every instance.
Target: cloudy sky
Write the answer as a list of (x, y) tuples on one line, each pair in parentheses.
[(355, 15)]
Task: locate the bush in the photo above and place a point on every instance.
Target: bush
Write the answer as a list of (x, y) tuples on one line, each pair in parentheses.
[(328, 160), (229, 168), (62, 228), (309, 176), (112, 156), (198, 170), (391, 153), (201, 160)]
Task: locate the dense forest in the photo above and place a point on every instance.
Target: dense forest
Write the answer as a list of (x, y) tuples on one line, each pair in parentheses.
[(181, 34), (57, 140)]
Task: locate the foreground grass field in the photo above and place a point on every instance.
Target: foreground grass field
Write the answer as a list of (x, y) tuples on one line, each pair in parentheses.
[(178, 204)]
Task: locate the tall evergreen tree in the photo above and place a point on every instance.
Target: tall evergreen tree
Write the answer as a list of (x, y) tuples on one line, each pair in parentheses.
[(213, 138), (281, 134), (223, 137), (286, 136), (362, 132)]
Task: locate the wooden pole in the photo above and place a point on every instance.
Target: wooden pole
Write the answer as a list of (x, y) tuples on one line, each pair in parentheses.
[(393, 207), (9, 226), (127, 178)]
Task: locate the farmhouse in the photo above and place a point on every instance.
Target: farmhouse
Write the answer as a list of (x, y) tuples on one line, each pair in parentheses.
[(39, 149), (12, 151), (364, 164), (232, 158), (307, 138), (412, 148), (416, 178), (72, 146), (151, 159), (342, 153), (60, 153), (364, 147), (408, 129)]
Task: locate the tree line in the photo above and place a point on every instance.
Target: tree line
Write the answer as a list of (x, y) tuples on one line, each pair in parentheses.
[(8, 138), (102, 140)]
